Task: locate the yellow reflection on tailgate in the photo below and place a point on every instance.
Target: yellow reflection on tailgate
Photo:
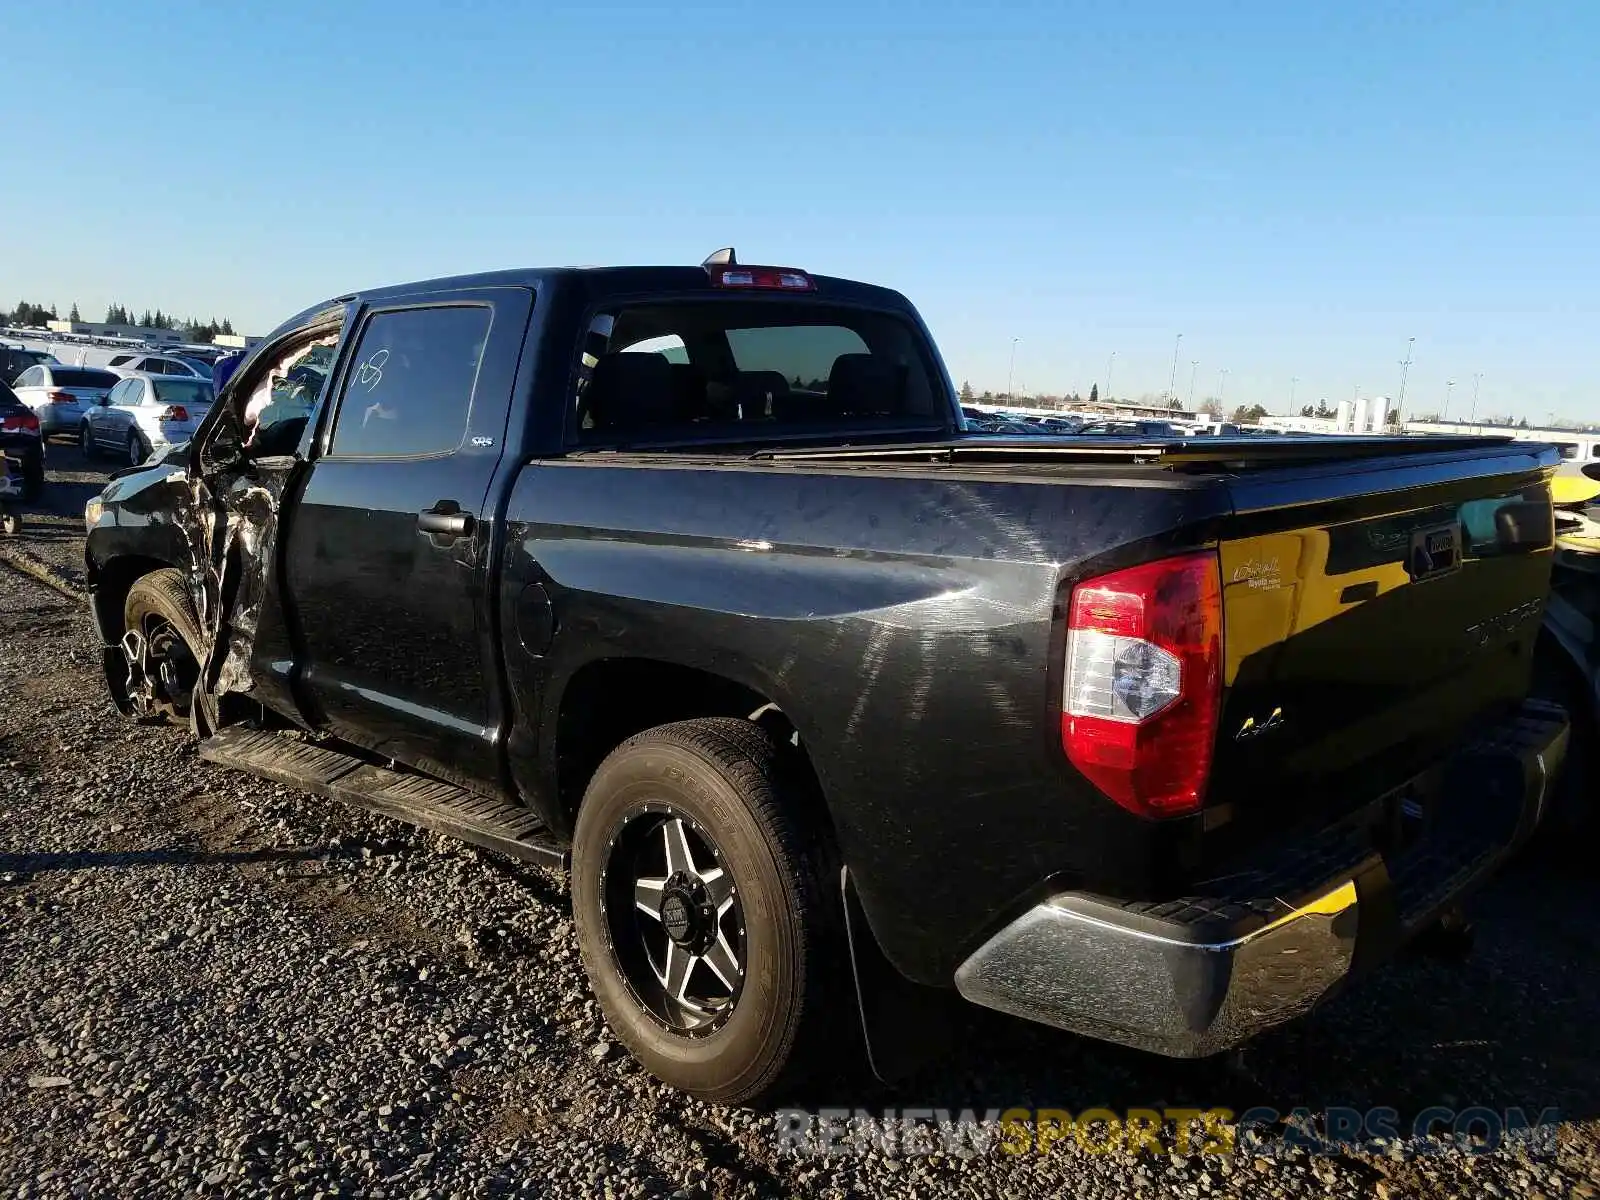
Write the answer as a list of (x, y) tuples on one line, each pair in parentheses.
[(1276, 585)]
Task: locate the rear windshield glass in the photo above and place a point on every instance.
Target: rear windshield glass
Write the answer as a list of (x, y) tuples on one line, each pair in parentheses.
[(182, 391), (739, 370), (71, 377)]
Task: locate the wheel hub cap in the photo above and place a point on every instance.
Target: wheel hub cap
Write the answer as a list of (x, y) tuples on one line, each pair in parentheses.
[(678, 916)]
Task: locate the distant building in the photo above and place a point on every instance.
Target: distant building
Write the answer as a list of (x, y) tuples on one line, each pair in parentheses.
[(236, 341), (100, 329)]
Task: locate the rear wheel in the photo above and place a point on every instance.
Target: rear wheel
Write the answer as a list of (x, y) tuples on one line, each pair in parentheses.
[(137, 451), (86, 441), (709, 932), (161, 646)]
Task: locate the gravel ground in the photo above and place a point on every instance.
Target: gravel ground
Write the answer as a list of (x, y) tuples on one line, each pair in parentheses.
[(214, 984)]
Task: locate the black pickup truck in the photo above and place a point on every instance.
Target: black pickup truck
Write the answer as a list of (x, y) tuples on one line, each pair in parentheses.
[(690, 579)]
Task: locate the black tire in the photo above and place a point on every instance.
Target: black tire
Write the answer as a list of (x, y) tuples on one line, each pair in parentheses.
[(137, 450), (86, 442), (159, 610), (32, 478), (727, 779), (1571, 810)]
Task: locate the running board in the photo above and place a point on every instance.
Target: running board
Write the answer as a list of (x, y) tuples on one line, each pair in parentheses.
[(418, 799)]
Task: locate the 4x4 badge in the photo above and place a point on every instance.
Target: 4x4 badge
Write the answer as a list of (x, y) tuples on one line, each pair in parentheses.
[(1253, 729)]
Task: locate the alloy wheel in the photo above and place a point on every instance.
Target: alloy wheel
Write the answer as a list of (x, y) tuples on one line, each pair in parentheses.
[(161, 670), (674, 920)]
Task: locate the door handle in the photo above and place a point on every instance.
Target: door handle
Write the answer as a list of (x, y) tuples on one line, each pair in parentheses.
[(445, 518)]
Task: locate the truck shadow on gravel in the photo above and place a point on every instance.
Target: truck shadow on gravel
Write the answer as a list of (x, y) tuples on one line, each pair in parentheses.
[(26, 865), (1510, 1026)]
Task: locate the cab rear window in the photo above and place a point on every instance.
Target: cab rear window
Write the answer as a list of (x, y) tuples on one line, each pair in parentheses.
[(738, 370)]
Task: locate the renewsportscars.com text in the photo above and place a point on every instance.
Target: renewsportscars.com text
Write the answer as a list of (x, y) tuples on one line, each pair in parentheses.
[(1259, 1132)]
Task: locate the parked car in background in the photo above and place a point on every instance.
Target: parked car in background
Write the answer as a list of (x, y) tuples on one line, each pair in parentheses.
[(21, 440), (1149, 429), (160, 364), (143, 413), (59, 395), (14, 360), (1062, 425)]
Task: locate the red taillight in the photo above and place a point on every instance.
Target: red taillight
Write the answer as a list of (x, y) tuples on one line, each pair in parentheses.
[(61, 397), (19, 423), (174, 412), (1143, 682), (782, 279)]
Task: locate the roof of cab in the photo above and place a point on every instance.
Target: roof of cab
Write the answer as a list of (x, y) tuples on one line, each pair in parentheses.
[(602, 281), (598, 282)]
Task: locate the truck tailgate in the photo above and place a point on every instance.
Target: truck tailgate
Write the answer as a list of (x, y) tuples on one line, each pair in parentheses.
[(1373, 612)]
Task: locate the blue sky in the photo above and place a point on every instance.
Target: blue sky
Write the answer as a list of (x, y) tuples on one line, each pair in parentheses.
[(1296, 188)]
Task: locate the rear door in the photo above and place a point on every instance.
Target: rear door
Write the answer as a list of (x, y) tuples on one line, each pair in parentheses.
[(110, 421), (386, 552)]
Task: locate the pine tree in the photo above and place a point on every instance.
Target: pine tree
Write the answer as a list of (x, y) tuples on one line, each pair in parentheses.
[(1094, 393), (966, 392), (74, 315)]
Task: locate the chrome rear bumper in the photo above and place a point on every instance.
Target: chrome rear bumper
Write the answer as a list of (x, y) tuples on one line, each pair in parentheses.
[(1197, 975)]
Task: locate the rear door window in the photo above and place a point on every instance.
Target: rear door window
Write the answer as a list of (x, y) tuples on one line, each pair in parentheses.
[(32, 377), (409, 390)]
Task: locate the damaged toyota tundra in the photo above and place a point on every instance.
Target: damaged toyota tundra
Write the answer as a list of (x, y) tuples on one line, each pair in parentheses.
[(690, 581)]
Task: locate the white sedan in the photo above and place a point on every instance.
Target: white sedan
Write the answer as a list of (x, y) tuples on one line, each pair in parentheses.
[(144, 413), (59, 396), (159, 364)]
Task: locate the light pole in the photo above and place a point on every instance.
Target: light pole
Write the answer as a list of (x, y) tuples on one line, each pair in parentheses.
[(1222, 385), (1448, 384), (1172, 383), (1012, 369), (1293, 379), (1194, 366), (1477, 378), (1405, 369), (1109, 367)]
